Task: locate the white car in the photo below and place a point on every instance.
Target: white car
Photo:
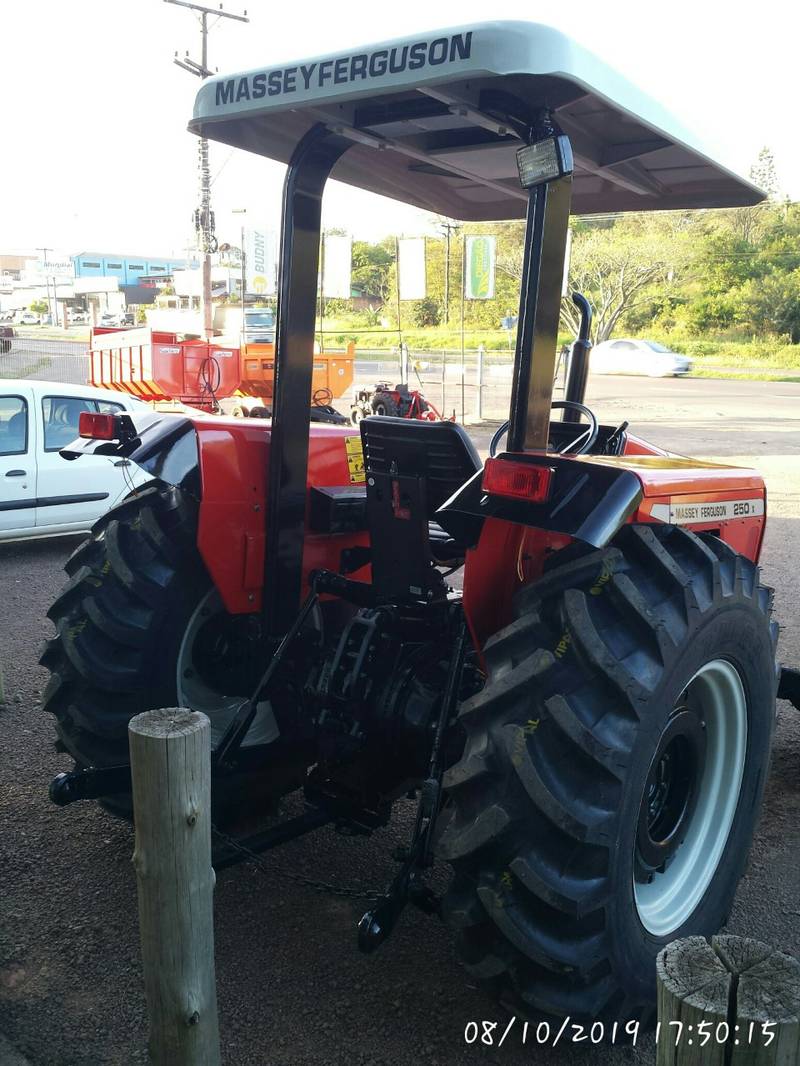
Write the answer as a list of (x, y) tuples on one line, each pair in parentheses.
[(42, 494), (634, 356), (28, 318)]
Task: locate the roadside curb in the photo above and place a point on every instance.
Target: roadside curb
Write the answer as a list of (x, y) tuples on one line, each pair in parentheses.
[(9, 1056)]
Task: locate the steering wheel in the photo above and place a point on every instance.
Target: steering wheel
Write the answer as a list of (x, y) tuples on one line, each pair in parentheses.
[(579, 446)]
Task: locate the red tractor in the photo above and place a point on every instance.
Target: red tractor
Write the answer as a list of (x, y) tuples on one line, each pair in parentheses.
[(585, 717), (397, 401)]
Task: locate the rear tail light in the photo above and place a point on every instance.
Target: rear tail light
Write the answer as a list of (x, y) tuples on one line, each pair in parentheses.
[(106, 427), (520, 481), (97, 427)]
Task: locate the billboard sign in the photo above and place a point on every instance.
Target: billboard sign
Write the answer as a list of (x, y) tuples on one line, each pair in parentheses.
[(411, 268), (480, 268), (54, 266), (337, 262), (260, 262)]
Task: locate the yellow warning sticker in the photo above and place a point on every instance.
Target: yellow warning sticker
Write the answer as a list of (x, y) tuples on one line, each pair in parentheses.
[(355, 458)]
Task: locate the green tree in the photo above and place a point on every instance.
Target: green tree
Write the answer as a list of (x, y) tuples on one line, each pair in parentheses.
[(39, 307), (621, 268), (371, 269), (427, 312), (771, 304), (764, 174)]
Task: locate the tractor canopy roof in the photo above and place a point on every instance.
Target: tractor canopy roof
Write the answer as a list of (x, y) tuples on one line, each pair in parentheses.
[(431, 118)]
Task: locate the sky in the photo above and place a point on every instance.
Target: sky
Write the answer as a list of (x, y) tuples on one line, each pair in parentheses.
[(93, 141)]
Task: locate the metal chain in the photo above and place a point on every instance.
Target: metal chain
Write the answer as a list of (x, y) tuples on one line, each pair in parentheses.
[(342, 891)]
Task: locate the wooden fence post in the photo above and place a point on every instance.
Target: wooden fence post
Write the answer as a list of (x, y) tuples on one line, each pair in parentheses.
[(171, 772), (733, 1002)]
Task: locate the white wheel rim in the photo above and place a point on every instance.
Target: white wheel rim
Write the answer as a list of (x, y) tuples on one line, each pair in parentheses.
[(194, 693), (667, 902)]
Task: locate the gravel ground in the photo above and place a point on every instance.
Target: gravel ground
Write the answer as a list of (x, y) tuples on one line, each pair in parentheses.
[(293, 988)]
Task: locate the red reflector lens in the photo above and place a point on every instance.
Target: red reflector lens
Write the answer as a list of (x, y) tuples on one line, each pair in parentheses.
[(522, 481), (97, 427)]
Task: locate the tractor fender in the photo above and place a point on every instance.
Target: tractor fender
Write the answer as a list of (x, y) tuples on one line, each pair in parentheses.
[(165, 446), (588, 501), (222, 462)]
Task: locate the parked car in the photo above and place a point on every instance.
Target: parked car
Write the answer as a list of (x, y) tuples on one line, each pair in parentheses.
[(634, 356), (28, 318), (108, 319), (7, 316), (77, 317), (42, 494)]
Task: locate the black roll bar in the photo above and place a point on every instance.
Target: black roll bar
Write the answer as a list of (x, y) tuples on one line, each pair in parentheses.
[(311, 163), (539, 308)]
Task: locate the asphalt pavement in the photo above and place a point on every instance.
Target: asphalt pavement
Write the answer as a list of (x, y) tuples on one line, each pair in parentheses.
[(293, 989)]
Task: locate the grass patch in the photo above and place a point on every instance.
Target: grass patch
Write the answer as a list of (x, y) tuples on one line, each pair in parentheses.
[(743, 374)]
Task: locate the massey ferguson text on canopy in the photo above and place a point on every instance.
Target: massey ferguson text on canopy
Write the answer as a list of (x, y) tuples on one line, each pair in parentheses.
[(345, 69)]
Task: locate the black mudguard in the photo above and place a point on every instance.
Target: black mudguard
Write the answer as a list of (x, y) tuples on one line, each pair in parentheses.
[(164, 446), (587, 501)]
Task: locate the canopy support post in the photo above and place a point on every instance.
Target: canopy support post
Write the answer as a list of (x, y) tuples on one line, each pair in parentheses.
[(539, 308), (311, 163)]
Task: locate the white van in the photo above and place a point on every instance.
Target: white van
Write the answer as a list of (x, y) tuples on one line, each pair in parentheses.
[(42, 494)]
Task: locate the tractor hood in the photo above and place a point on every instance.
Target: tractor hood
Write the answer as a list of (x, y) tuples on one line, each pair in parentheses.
[(431, 118)]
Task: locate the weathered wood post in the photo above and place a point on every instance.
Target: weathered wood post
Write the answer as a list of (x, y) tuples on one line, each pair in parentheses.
[(171, 773), (731, 1002)]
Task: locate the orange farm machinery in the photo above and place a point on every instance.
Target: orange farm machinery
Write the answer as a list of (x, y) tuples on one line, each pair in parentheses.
[(160, 366)]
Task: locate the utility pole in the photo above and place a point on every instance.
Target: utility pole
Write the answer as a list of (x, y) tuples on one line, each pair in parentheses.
[(448, 227), (242, 211), (204, 216), (52, 308)]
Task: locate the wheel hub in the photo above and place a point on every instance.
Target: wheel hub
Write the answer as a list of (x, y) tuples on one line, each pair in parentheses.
[(670, 793), (215, 670)]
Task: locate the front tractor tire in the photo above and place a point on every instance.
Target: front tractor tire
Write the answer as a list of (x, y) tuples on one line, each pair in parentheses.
[(614, 764), (139, 626)]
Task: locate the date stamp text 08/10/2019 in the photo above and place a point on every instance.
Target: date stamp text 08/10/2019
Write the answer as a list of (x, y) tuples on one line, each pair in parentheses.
[(495, 1034)]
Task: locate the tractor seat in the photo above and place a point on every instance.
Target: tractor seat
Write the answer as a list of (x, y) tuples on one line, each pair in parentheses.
[(441, 452)]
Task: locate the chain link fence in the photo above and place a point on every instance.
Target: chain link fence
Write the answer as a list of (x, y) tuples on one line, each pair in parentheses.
[(43, 358), (473, 385)]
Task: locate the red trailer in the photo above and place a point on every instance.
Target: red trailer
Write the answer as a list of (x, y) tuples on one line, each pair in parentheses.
[(156, 365)]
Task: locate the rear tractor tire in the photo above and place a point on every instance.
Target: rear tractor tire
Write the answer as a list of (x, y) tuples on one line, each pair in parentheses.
[(385, 404), (614, 764), (139, 626)]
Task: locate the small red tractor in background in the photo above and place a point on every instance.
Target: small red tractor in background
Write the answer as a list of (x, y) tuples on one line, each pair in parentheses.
[(396, 401), (585, 716)]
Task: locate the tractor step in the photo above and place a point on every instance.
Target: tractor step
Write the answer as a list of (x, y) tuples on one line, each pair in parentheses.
[(789, 686)]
